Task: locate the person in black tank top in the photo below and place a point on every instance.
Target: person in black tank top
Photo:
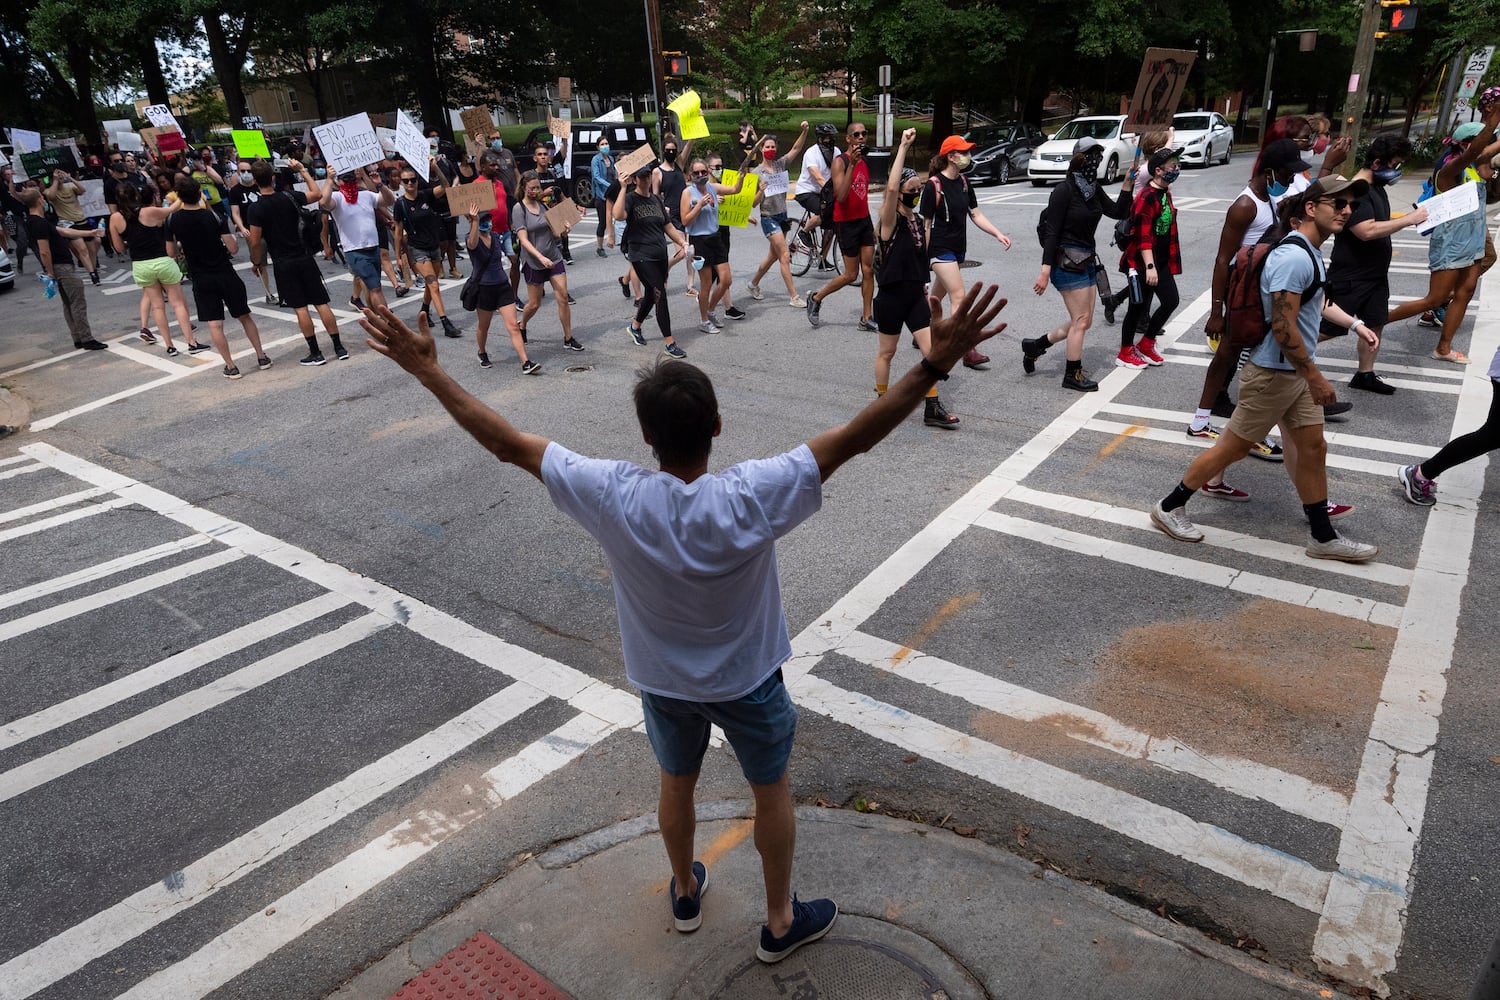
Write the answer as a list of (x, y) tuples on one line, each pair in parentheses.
[(139, 228), (902, 276)]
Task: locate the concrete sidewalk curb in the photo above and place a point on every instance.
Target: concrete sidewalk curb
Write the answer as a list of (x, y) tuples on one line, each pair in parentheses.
[(590, 915)]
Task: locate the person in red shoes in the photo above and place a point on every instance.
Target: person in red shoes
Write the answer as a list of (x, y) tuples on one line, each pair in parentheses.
[(1152, 260)]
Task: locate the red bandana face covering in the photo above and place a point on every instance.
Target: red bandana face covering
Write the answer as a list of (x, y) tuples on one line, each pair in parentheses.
[(350, 191)]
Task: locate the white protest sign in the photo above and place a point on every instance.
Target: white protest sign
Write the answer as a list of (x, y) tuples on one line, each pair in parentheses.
[(118, 125), (92, 199), (161, 116), (25, 140), (411, 143), (616, 114), (1455, 204), (387, 137), (128, 142), (349, 143)]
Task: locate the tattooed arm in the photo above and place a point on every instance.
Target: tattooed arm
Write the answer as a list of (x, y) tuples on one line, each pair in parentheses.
[(1284, 308)]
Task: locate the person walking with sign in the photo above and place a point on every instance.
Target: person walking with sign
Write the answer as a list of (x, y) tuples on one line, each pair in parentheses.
[(352, 203), (541, 257), (648, 226), (1152, 259), (63, 194), (699, 210), (493, 294), (770, 197)]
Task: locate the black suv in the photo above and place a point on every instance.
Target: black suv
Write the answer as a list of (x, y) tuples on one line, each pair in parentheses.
[(1001, 151), (624, 137)]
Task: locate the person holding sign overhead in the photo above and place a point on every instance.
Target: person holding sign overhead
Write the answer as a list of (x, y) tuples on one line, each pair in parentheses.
[(358, 195), (775, 183)]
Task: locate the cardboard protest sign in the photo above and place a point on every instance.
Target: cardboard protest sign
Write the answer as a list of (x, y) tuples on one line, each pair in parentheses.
[(24, 140), (128, 142), (690, 121), (387, 138), (559, 128), (463, 198), (1158, 90), (477, 122), (411, 144), (734, 209), (92, 200), (250, 143), (171, 142), (160, 116), (474, 148), (562, 215), (627, 165), (349, 144)]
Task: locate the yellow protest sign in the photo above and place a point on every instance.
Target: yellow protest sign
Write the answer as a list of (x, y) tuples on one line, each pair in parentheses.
[(734, 209), (250, 143), (690, 120)]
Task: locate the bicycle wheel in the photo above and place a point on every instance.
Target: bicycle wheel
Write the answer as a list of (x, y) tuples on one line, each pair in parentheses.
[(801, 248)]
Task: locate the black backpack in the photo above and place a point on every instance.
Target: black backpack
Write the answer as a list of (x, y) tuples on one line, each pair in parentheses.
[(1041, 219)]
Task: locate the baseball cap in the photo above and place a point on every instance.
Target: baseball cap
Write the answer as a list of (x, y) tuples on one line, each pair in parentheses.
[(1284, 154), (955, 143), (1467, 131), (1086, 144), (1333, 184), (1161, 158)]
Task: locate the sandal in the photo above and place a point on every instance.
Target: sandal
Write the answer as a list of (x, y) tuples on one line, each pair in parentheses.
[(1453, 357)]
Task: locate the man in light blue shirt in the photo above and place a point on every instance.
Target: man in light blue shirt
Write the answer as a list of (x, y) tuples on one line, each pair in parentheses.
[(1281, 385), (601, 176), (693, 556)]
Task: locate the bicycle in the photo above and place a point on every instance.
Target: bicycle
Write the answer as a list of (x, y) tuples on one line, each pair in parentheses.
[(805, 248)]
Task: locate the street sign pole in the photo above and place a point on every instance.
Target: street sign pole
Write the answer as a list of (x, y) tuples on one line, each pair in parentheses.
[(1359, 75)]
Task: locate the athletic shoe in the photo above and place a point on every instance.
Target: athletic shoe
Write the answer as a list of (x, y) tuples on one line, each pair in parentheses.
[(975, 360), (172, 352), (636, 336), (624, 287), (94, 276), (402, 291), (1079, 380), (599, 252), (1147, 349), (357, 302), (1267, 451), (1109, 310), (313, 359), (1370, 382), (340, 351), (865, 325), (1223, 407), (449, 330), (571, 301), (1176, 523), (713, 317), (936, 415), (755, 293), (1429, 320), (263, 362), (484, 360), (687, 913), (797, 302), (1417, 488), (271, 300), (1337, 408), (810, 921), (673, 351), (734, 312), (572, 344), (1224, 491), (1343, 549), (813, 305), (1338, 510), (199, 348), (93, 345), (530, 368), (147, 336), (1208, 431), (824, 265), (1128, 358), (707, 326), (232, 372), (453, 272)]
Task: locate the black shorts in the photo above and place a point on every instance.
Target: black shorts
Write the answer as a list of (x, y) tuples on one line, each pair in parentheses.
[(1370, 300), (903, 303), (299, 282), (450, 229), (855, 235), (214, 292), (492, 297), (711, 248), (812, 204)]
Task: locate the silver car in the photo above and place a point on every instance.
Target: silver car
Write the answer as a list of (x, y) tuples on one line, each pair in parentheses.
[(1203, 136)]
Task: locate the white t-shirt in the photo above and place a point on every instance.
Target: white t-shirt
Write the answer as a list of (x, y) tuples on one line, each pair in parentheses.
[(694, 564), (813, 157), (356, 222)]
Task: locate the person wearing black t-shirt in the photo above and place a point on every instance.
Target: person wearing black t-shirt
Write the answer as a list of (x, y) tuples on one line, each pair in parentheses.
[(1358, 278), (276, 225), (647, 229), (51, 247), (420, 220), (242, 194), (205, 240), (902, 296)]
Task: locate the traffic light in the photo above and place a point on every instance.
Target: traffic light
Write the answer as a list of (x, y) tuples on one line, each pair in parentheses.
[(678, 65), (1403, 17)]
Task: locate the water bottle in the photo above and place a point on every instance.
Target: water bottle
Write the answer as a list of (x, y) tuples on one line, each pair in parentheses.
[(1135, 286), (49, 285)]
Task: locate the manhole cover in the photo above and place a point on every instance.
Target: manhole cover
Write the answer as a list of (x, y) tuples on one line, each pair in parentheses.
[(579, 368)]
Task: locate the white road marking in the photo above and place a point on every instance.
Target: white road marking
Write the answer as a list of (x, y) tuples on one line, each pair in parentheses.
[(100, 571), (40, 770), (1288, 792), (287, 918), (114, 595), (1451, 372), (1340, 438), (66, 517), (1447, 390), (1335, 461), (41, 507), (22, 471), (15, 459), (174, 666), (161, 364), (100, 934)]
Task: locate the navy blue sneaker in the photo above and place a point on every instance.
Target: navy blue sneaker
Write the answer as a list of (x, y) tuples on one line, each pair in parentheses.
[(687, 912), (810, 921)]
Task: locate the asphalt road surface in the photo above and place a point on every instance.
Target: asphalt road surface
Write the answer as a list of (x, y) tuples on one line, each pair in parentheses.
[(289, 666)]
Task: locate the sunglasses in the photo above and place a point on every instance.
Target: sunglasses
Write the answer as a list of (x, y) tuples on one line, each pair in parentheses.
[(700, 173), (408, 180), (858, 135), (1339, 204)]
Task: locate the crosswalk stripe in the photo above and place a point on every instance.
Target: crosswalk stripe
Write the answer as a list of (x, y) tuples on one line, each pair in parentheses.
[(174, 666), (21, 471), (98, 572), (1342, 439), (41, 507), (67, 952), (66, 517), (65, 760), (1347, 462)]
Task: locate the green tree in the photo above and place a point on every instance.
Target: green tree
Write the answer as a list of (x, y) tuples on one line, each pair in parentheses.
[(746, 44)]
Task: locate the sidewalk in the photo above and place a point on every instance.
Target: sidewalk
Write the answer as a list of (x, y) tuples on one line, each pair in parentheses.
[(924, 913)]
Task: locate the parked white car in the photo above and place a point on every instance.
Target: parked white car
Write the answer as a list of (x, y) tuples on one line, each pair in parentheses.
[(1049, 161), (1203, 136), (7, 272)]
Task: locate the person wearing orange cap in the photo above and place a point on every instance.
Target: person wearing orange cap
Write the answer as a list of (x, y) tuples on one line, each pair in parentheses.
[(948, 201)]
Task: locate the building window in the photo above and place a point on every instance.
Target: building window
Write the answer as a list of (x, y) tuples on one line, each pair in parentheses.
[(292, 102)]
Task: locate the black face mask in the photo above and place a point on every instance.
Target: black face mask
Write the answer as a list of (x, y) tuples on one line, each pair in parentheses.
[(670, 155)]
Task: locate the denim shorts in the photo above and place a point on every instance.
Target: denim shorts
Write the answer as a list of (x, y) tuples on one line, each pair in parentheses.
[(774, 223), (1071, 281), (760, 727), (364, 265)]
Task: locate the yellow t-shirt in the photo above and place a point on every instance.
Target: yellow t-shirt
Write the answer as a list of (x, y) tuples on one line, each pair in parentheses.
[(65, 203), (210, 189)]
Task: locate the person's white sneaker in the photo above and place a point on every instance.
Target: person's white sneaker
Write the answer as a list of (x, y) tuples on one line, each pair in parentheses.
[(1343, 549), (1175, 523), (755, 293), (707, 326)]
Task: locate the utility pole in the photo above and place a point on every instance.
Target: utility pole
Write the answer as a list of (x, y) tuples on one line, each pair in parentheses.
[(658, 71), (1445, 116), (1359, 76)]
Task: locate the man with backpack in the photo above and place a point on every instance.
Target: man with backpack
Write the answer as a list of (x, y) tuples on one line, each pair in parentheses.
[(1282, 385)]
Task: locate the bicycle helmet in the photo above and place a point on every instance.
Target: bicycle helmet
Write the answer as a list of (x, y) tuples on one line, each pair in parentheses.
[(826, 130)]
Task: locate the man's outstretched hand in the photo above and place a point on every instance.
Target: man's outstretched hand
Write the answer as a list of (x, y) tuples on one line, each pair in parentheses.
[(954, 336), (414, 350)]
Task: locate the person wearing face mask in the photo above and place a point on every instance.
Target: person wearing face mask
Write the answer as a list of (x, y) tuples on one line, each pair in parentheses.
[(601, 176), (770, 198), (243, 194), (648, 226), (1069, 260), (809, 192), (699, 210), (668, 181), (716, 172), (1358, 277), (902, 299), (1155, 256), (948, 203), (851, 221)]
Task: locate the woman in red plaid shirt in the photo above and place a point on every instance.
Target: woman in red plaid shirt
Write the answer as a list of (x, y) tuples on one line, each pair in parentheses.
[(1152, 258)]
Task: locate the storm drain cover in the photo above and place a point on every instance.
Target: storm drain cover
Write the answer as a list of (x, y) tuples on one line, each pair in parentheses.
[(479, 969), (837, 969)]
